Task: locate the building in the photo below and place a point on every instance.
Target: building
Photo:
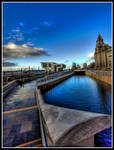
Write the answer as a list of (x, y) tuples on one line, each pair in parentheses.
[(102, 55), (78, 67), (73, 66), (91, 65), (85, 65), (52, 67)]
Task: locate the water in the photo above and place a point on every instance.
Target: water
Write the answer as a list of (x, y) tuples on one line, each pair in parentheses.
[(84, 93)]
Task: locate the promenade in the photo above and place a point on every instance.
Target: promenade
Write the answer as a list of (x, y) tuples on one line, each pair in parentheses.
[(21, 127)]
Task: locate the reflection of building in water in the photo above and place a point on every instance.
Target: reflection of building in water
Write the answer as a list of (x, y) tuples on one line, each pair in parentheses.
[(52, 67), (103, 54), (103, 91)]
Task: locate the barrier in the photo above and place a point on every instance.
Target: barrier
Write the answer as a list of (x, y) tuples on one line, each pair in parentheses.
[(102, 76)]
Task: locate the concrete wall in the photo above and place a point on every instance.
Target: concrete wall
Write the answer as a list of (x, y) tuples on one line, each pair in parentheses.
[(106, 79), (68, 127), (49, 84), (9, 87)]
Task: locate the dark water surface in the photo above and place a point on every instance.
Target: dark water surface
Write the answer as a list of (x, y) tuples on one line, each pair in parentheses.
[(84, 93)]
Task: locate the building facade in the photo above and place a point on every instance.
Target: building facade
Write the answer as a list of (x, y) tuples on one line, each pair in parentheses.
[(52, 67), (85, 65), (102, 55), (73, 66)]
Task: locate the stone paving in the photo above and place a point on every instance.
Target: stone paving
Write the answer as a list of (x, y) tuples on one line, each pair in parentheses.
[(21, 126)]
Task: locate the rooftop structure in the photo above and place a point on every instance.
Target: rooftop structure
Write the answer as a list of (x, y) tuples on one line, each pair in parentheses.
[(103, 54), (52, 66)]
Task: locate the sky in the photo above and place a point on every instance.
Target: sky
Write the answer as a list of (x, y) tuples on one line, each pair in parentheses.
[(53, 32)]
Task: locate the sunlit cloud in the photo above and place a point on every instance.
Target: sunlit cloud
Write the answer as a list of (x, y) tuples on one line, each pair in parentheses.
[(12, 50), (90, 57)]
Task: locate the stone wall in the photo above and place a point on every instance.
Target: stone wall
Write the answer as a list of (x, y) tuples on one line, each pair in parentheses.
[(106, 79)]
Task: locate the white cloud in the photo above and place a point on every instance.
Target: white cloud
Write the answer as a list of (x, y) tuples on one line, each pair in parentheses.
[(90, 57), (46, 23), (9, 64), (12, 50), (30, 44), (15, 35)]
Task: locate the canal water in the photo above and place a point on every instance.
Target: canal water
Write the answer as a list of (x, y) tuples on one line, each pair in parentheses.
[(84, 93)]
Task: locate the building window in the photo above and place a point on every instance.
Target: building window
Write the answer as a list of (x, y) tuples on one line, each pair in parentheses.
[(49, 65), (44, 65)]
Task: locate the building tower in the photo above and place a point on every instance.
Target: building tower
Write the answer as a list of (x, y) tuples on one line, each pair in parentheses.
[(102, 53)]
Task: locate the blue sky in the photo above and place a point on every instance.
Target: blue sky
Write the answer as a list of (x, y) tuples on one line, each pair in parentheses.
[(56, 32)]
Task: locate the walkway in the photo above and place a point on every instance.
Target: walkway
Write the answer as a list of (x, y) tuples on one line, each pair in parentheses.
[(21, 127), (50, 79)]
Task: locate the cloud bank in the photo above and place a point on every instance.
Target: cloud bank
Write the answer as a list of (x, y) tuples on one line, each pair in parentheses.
[(12, 50), (9, 64)]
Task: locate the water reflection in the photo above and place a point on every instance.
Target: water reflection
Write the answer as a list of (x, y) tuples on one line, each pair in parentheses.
[(104, 91), (81, 92)]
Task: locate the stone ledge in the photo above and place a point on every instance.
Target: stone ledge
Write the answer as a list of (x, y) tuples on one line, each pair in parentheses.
[(69, 127)]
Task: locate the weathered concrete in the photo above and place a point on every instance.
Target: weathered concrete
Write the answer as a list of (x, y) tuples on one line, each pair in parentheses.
[(69, 127), (9, 87), (106, 79)]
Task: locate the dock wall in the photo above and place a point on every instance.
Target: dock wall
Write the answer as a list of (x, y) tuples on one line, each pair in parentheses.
[(106, 79), (49, 84)]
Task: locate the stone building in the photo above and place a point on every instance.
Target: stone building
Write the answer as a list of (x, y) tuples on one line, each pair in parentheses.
[(102, 55), (52, 67)]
